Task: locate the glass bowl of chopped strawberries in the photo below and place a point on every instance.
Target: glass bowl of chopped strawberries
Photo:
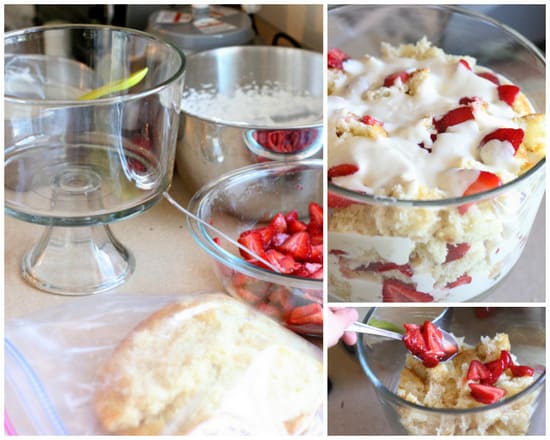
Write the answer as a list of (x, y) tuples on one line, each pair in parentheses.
[(435, 153), (275, 210), (493, 385)]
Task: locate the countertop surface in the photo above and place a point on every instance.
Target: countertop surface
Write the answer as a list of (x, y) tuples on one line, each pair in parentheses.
[(168, 261)]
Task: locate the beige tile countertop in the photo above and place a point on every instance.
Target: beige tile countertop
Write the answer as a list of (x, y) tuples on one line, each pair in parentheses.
[(168, 261)]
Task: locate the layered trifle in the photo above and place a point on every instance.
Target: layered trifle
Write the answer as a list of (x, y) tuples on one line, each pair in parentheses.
[(435, 175)]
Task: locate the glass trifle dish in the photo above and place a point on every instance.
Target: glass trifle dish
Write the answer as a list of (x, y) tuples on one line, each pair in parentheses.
[(436, 151)]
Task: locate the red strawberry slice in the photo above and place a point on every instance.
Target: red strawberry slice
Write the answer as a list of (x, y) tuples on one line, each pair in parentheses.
[(307, 314), (316, 255), (467, 100), (336, 58), (484, 182), (391, 79), (508, 93), (434, 340), (477, 371), (382, 267), (397, 291), (513, 135), (336, 201), (315, 214), (489, 77), (462, 279), (278, 239), (486, 393), (521, 370), (278, 222), (506, 359), (496, 368), (298, 245), (369, 120), (341, 170), (456, 251), (285, 264), (414, 340), (465, 63), (252, 240), (454, 117), (294, 224), (266, 234)]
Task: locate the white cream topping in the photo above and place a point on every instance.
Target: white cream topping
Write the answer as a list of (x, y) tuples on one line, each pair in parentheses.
[(398, 159)]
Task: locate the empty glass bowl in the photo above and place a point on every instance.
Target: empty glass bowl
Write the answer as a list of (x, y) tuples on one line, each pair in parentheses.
[(75, 165), (248, 198), (383, 360)]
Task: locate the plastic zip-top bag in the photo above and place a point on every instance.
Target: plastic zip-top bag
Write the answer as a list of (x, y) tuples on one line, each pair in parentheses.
[(58, 361)]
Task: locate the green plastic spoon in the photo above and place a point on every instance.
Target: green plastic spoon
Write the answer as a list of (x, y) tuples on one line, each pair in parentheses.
[(115, 86)]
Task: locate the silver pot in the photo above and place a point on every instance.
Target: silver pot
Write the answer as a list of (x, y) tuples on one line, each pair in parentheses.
[(211, 145)]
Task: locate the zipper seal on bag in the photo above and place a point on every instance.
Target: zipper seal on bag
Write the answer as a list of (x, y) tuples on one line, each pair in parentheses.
[(38, 391)]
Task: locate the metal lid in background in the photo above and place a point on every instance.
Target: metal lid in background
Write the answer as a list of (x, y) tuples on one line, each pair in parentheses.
[(194, 29)]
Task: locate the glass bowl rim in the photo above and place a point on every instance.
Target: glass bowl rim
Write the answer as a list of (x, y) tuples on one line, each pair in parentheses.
[(451, 201), (105, 100), (393, 397), (198, 203)]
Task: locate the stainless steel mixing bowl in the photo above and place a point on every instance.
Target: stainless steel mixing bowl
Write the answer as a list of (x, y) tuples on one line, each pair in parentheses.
[(210, 146)]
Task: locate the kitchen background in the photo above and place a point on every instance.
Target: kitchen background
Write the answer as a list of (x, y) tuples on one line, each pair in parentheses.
[(284, 25)]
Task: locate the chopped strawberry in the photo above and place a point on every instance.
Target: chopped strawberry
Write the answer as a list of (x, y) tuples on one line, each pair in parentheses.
[(341, 170), (369, 120), (249, 296), (281, 297), (486, 393), (252, 240), (307, 314), (456, 251), (434, 339), (278, 222), (315, 214), (298, 245), (266, 234), (336, 201), (489, 77), (508, 93), (512, 135), (414, 340), (336, 58), (279, 238), (397, 291), (467, 100), (294, 224), (521, 370), (462, 279), (454, 117), (316, 255), (496, 368), (465, 63), (285, 264), (391, 79), (426, 342), (477, 371), (318, 275), (484, 182), (270, 310), (381, 267), (506, 359)]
